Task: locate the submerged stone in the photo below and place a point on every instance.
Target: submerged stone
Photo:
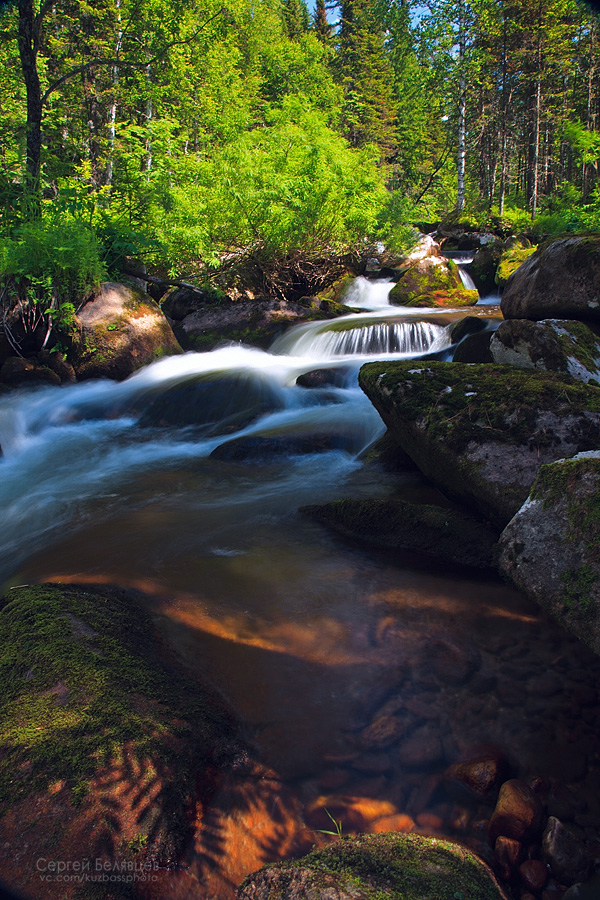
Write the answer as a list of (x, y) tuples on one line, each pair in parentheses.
[(216, 404), (481, 432), (395, 865), (445, 533)]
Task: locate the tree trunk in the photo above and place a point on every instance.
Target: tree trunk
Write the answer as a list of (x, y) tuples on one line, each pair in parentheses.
[(462, 108), (28, 39), (503, 119), (588, 168), (535, 156), (112, 116)]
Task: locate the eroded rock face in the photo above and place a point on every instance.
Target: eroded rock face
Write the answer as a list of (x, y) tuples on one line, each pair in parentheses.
[(554, 345), (364, 868), (550, 548), (561, 280), (481, 432), (122, 329), (432, 281)]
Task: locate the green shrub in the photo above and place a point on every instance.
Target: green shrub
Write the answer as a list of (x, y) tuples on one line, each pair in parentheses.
[(51, 263)]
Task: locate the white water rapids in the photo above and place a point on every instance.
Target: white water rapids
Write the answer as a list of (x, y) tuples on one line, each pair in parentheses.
[(77, 453)]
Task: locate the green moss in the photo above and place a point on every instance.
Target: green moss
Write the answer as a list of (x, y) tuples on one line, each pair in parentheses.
[(84, 686), (510, 261), (577, 586), (397, 867), (337, 290), (459, 402), (451, 298), (582, 344), (575, 482)]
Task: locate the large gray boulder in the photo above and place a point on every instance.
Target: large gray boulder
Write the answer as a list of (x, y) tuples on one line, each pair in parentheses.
[(554, 345), (559, 281), (550, 548), (394, 865), (481, 432)]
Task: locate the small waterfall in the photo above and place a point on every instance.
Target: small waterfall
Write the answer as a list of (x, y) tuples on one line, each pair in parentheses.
[(365, 294), (381, 338), (466, 279)]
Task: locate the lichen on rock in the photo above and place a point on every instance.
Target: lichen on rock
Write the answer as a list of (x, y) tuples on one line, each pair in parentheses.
[(555, 345)]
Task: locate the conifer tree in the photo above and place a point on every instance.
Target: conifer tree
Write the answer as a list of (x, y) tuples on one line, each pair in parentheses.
[(367, 78)]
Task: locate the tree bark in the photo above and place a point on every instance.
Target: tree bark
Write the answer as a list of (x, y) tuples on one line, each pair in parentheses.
[(28, 41), (462, 107)]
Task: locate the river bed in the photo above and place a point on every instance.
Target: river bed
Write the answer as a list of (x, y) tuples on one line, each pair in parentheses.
[(312, 640)]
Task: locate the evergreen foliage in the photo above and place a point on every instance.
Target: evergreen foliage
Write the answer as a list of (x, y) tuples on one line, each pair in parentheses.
[(183, 133)]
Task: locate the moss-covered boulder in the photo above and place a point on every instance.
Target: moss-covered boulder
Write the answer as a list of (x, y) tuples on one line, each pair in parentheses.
[(561, 280), (444, 533), (555, 345), (122, 329), (510, 260), (550, 548), (396, 866), (104, 742), (432, 281), (481, 432)]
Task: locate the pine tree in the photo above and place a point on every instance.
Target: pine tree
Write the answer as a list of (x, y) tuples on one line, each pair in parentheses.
[(367, 78)]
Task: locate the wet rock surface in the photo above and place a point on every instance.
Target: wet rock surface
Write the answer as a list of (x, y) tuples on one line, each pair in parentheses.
[(481, 432)]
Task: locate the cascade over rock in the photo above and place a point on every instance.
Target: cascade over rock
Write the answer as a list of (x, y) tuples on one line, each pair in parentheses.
[(554, 345), (550, 548), (432, 281), (561, 280), (481, 432), (122, 330)]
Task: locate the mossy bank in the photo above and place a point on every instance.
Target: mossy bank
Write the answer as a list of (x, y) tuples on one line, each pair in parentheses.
[(105, 743)]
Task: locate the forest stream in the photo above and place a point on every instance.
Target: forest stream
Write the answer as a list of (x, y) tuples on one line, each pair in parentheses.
[(310, 638)]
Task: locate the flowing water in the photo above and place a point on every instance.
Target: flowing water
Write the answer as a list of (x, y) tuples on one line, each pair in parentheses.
[(186, 482)]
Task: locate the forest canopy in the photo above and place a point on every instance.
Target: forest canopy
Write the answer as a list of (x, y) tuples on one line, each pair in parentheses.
[(187, 132)]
